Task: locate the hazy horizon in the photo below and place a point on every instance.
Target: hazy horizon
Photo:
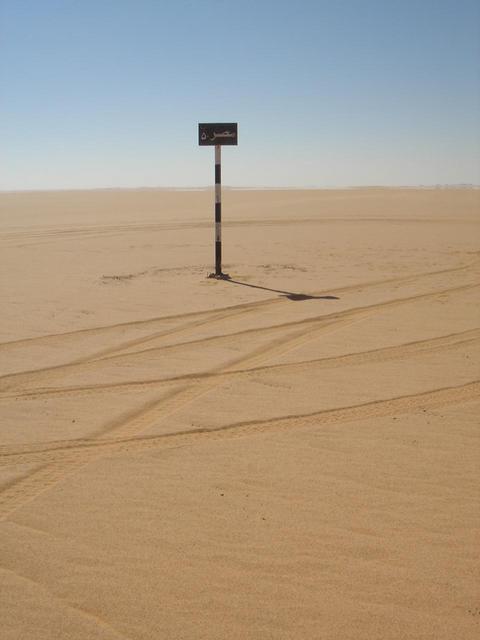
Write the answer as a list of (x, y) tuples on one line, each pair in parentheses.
[(252, 188)]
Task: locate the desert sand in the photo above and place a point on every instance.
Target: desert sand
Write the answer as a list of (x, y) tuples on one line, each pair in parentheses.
[(292, 454)]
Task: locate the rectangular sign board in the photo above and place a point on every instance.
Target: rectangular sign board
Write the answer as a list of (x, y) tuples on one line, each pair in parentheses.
[(213, 133)]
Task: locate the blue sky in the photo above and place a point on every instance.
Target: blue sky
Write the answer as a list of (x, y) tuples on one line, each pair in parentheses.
[(104, 93)]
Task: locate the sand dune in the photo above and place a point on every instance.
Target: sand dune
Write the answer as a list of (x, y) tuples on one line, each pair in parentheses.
[(289, 454)]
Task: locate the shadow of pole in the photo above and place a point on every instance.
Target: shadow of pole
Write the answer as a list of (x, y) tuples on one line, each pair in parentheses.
[(285, 294)]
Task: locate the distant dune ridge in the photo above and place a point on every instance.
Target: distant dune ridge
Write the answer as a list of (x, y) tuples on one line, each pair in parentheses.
[(289, 454)]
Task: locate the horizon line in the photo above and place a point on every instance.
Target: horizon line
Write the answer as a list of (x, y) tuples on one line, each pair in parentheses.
[(460, 185)]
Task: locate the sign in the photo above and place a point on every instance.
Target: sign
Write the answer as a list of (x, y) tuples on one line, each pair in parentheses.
[(212, 134), (216, 134)]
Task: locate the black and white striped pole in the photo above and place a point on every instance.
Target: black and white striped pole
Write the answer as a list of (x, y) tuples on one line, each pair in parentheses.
[(218, 211), (217, 135)]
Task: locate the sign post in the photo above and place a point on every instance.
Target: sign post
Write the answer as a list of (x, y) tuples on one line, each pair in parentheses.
[(218, 134)]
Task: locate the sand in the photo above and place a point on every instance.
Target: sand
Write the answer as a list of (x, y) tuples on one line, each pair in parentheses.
[(290, 454)]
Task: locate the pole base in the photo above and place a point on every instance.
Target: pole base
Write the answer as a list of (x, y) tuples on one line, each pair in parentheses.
[(219, 276)]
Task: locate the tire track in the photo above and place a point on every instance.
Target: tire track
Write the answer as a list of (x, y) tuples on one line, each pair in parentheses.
[(49, 235), (128, 429), (62, 458), (282, 301), (213, 315), (156, 412), (383, 354), (32, 485), (136, 422), (8, 381), (258, 303), (339, 315), (211, 318), (29, 487), (126, 325)]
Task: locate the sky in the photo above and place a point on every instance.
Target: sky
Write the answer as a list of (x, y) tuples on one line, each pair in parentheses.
[(326, 93)]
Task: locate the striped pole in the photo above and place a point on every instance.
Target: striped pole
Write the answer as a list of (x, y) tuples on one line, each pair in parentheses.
[(218, 211)]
